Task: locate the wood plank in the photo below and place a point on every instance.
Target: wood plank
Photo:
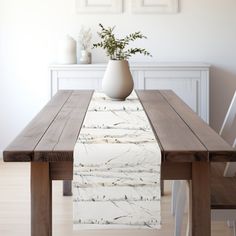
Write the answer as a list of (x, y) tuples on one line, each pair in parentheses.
[(58, 142), (41, 199), (201, 206), (218, 149), (61, 170), (21, 149), (177, 141)]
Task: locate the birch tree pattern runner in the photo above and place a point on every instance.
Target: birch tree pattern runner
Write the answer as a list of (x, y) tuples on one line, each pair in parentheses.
[(116, 167)]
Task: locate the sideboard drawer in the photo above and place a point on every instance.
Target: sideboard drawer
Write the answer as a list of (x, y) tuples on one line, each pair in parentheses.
[(79, 83), (80, 74), (172, 74)]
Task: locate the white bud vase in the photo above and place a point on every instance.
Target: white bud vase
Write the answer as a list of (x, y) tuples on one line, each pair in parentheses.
[(86, 57), (117, 82)]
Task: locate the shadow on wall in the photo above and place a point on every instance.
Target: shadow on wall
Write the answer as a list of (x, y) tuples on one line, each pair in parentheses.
[(222, 87)]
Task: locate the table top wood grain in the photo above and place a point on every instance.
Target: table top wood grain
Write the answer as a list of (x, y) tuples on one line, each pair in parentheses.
[(182, 135)]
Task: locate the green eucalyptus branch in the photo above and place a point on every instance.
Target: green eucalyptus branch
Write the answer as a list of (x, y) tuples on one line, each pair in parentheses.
[(116, 48)]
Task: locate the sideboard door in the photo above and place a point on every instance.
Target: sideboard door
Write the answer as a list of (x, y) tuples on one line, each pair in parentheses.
[(191, 86)]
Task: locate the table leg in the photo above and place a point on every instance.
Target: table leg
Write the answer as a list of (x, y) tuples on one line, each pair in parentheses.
[(201, 204), (67, 188), (162, 187), (41, 199)]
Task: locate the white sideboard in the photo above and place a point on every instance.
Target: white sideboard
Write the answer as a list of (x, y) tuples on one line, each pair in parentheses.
[(190, 81)]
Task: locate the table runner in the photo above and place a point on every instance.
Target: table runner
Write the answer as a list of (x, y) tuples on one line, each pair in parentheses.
[(116, 182)]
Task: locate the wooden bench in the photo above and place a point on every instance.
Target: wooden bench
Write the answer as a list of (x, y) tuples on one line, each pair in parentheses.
[(188, 145)]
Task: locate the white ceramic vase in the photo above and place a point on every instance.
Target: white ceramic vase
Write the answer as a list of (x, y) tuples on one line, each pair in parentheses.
[(117, 82), (67, 50), (86, 57)]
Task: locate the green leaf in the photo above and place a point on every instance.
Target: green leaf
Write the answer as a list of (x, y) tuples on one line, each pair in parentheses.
[(116, 48)]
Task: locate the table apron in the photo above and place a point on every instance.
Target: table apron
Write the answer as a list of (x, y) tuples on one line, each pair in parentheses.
[(62, 170), (176, 171)]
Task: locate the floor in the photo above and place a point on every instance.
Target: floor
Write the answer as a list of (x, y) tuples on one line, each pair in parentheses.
[(15, 209)]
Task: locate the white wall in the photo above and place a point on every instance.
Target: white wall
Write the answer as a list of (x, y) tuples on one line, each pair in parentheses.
[(204, 30)]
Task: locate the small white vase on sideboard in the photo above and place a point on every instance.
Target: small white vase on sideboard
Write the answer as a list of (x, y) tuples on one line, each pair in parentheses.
[(66, 51), (117, 81), (85, 57)]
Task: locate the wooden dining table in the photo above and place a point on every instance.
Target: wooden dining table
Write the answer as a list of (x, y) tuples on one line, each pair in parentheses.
[(188, 146)]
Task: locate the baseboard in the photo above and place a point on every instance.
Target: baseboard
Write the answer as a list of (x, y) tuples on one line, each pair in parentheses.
[(1, 155)]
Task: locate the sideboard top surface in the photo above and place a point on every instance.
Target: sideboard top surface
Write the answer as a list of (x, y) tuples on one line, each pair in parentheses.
[(135, 65)]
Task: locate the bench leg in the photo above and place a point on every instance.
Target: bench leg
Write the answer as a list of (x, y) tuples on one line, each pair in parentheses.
[(41, 199), (67, 188), (201, 203)]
